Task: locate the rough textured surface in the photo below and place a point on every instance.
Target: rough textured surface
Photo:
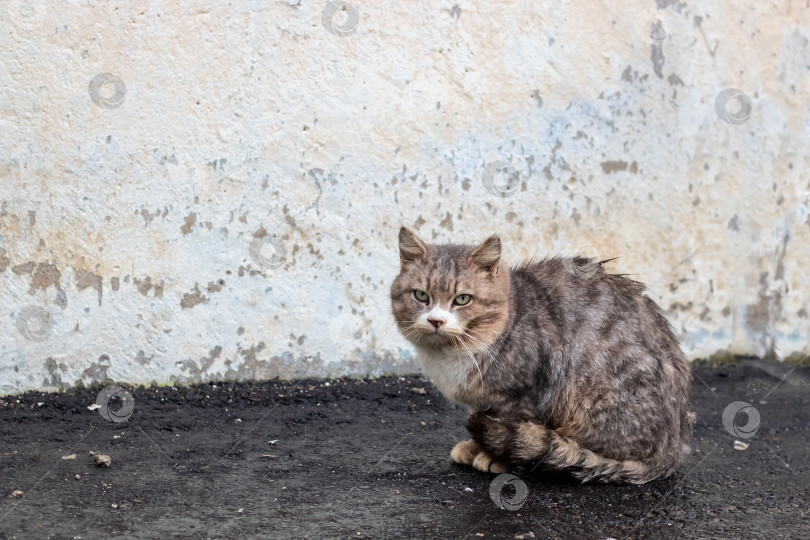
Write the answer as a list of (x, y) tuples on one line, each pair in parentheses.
[(370, 459), (193, 193)]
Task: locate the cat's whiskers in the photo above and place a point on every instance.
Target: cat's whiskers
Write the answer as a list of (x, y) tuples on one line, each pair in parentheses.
[(472, 334), (411, 333), (499, 368), (397, 331), (480, 346), (472, 357), (408, 332), (485, 348), (493, 362), (477, 333)]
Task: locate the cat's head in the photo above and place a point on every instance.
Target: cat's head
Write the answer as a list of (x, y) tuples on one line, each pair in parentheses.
[(450, 294)]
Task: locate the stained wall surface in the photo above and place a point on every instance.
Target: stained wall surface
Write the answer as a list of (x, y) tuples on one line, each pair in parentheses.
[(213, 190)]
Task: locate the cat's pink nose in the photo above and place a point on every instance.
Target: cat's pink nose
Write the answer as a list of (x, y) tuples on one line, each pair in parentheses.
[(435, 322)]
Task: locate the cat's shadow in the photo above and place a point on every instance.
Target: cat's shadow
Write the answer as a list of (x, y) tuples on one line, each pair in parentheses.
[(537, 474), (534, 474)]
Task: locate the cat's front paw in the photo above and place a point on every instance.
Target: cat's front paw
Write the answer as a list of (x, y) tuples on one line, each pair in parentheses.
[(486, 463), (465, 452), (471, 453)]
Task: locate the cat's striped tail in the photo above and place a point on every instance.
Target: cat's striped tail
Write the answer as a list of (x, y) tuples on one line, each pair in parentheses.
[(526, 442)]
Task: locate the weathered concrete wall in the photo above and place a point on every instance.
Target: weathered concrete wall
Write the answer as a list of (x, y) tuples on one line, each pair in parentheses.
[(207, 192)]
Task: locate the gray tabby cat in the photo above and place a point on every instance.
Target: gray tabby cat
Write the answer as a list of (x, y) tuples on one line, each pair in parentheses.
[(558, 361)]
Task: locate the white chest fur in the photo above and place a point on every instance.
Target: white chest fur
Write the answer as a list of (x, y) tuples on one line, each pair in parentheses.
[(448, 369)]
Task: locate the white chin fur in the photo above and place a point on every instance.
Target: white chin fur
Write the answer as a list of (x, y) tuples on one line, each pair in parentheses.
[(447, 368)]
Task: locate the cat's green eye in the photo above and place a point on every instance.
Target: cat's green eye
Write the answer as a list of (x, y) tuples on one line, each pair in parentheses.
[(462, 299), (422, 296)]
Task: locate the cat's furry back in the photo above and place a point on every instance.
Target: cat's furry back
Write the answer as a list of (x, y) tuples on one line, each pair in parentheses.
[(559, 361)]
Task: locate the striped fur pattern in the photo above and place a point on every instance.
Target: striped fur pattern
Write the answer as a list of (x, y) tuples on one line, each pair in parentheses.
[(559, 362)]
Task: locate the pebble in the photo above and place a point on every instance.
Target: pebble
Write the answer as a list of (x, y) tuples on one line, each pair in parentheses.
[(101, 460)]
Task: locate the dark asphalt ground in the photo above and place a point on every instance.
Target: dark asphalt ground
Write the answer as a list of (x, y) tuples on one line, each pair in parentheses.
[(370, 459)]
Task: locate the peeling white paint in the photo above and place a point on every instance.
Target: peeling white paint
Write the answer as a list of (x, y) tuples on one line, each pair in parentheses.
[(238, 180)]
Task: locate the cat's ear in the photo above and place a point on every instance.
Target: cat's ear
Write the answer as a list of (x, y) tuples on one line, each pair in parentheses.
[(410, 247), (488, 254)]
